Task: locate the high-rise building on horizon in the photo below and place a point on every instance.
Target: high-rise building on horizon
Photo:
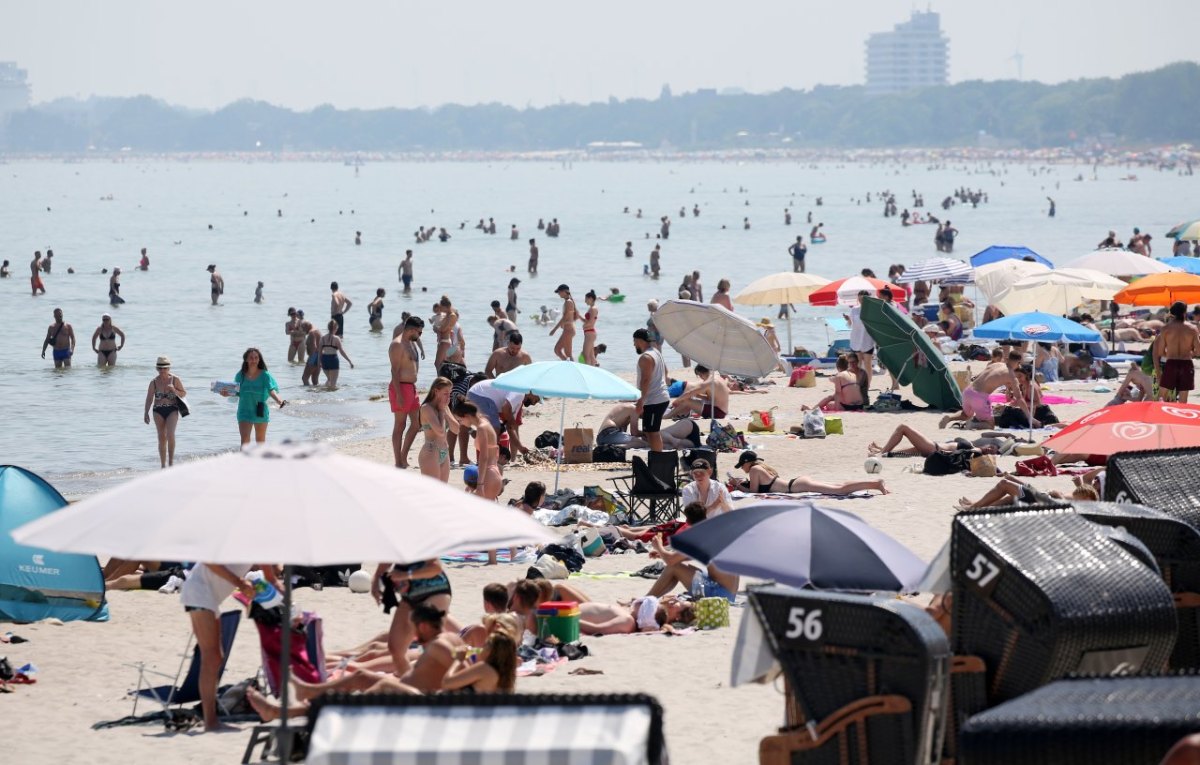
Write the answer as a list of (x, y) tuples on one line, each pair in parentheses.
[(14, 87), (915, 54)]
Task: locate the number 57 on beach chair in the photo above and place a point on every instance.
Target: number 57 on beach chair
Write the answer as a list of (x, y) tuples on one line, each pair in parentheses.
[(187, 692)]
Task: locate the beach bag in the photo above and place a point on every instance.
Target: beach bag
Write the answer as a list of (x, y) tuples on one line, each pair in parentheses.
[(547, 440), (577, 445), (712, 613), (1036, 466), (547, 567), (947, 463), (814, 424), (803, 377), (608, 453), (182, 404), (833, 426), (983, 466), (723, 438), (596, 498), (887, 402), (762, 421)]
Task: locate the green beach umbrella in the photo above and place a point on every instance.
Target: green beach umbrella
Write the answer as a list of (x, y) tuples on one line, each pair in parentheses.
[(910, 355), (1189, 230)]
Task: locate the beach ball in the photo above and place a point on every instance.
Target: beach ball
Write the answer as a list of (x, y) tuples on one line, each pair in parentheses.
[(873, 465), (360, 581)]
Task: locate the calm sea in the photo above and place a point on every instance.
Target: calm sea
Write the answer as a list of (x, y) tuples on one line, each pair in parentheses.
[(83, 428)]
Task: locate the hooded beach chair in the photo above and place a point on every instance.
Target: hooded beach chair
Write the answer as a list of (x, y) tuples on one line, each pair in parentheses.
[(187, 692)]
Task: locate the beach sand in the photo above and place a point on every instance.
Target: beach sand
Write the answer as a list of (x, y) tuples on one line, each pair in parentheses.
[(84, 674)]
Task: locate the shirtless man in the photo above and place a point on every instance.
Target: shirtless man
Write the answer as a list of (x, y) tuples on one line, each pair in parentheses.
[(402, 390), (566, 322), (35, 278), (507, 358), (339, 304), (216, 283), (684, 434), (709, 397), (976, 407), (296, 335), (847, 393), (61, 337), (533, 256), (444, 327), (406, 272), (701, 582), (312, 359), (501, 328), (655, 261), (1175, 349)]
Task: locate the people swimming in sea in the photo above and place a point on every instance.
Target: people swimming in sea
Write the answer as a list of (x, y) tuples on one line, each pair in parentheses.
[(105, 343)]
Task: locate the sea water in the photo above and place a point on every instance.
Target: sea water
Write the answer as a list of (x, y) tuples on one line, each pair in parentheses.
[(82, 428)]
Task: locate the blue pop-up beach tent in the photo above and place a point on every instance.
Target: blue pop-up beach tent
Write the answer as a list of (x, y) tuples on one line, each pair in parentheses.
[(36, 583)]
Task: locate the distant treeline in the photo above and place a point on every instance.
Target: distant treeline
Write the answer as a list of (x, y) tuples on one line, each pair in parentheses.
[(1158, 107)]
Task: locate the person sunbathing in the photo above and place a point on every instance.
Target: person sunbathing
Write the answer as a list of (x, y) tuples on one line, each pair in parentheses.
[(764, 479), (492, 670), (1010, 491), (684, 434), (648, 614), (528, 594), (426, 675), (693, 513), (989, 443), (152, 575), (707, 398)]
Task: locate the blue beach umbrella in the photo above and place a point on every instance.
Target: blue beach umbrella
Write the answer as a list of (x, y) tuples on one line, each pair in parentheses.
[(1188, 265), (800, 544), (566, 379), (1006, 252)]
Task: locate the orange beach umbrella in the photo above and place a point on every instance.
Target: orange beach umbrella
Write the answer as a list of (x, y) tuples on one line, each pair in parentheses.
[(1161, 290)]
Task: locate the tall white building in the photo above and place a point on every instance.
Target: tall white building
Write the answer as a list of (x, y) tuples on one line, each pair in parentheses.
[(915, 54), (14, 88)]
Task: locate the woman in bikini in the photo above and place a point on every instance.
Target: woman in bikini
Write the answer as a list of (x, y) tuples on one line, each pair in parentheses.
[(510, 308), (104, 342), (436, 421), (589, 329), (296, 335), (331, 345), (445, 331), (163, 394), (375, 310), (492, 670), (403, 587), (761, 478), (487, 455)]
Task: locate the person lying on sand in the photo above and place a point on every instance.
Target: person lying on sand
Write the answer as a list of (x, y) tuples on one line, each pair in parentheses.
[(528, 594), (684, 434), (648, 614), (693, 513), (990, 442), (761, 478), (1010, 491)]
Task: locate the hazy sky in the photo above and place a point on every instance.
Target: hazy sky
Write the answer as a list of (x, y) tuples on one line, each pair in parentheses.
[(371, 53)]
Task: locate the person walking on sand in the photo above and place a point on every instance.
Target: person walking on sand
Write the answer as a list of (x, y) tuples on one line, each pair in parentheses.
[(60, 336), (331, 346), (404, 361), (590, 317), (339, 304), (652, 385), (406, 272), (255, 386), (533, 256), (436, 423), (563, 349), (216, 283), (162, 398), (487, 454), (104, 342), (1176, 348), (35, 279)]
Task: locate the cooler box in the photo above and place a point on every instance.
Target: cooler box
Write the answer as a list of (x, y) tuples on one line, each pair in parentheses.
[(559, 619)]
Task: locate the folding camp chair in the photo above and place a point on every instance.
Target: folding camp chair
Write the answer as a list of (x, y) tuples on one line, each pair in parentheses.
[(308, 655), (652, 492), (187, 692)]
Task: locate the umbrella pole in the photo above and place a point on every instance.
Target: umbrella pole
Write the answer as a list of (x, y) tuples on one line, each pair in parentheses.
[(283, 737), (562, 418), (791, 347), (1032, 384)]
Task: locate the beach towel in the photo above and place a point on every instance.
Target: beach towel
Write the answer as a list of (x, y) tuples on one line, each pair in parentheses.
[(1049, 398), (503, 556)]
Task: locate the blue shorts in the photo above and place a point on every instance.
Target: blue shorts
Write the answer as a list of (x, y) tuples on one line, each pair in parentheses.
[(704, 586), (407, 280), (62, 354), (330, 361)]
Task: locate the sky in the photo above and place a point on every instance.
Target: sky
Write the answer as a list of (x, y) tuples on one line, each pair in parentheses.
[(374, 53)]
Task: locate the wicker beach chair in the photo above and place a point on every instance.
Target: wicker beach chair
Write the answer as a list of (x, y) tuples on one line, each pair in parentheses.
[(513, 729), (865, 677), (1165, 479), (1041, 594), (1086, 721)]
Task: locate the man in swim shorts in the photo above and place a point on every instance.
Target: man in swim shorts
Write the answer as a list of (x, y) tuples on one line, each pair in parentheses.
[(684, 434), (339, 304), (61, 337), (406, 271), (652, 384), (1175, 348), (977, 409), (35, 268), (404, 358)]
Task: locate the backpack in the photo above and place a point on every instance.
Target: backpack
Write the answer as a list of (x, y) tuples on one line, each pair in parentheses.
[(948, 463), (547, 440)]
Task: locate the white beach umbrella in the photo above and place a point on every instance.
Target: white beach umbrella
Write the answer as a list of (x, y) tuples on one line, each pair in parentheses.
[(935, 269), (1118, 262), (783, 288), (993, 279), (715, 337), (300, 504), (1059, 291)]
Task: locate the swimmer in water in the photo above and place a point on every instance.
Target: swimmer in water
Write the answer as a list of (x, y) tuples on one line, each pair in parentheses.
[(104, 342), (258, 296), (144, 263), (375, 310)]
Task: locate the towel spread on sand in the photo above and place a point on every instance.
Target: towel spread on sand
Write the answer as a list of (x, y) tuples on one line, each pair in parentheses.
[(1049, 398), (503, 556)]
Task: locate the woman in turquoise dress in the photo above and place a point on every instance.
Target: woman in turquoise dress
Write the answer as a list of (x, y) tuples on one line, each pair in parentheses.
[(255, 386)]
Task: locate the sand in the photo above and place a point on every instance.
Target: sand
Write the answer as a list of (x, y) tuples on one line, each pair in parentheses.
[(84, 670)]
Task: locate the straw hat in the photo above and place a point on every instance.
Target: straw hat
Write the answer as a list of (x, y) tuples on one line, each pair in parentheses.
[(764, 322), (163, 362)]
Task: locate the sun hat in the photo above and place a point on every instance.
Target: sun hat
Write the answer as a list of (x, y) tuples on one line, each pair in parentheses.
[(746, 457), (104, 316), (765, 322), (211, 267), (163, 362)]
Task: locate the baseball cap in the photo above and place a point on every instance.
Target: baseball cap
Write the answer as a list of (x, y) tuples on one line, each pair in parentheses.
[(746, 457)]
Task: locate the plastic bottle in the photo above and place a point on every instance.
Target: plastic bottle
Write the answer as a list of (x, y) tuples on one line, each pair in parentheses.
[(265, 593)]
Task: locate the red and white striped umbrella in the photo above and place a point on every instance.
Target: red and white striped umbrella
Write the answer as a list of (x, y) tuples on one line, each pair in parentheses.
[(845, 291)]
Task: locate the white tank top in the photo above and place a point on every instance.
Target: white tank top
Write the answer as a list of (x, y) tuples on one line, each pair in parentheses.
[(657, 389)]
